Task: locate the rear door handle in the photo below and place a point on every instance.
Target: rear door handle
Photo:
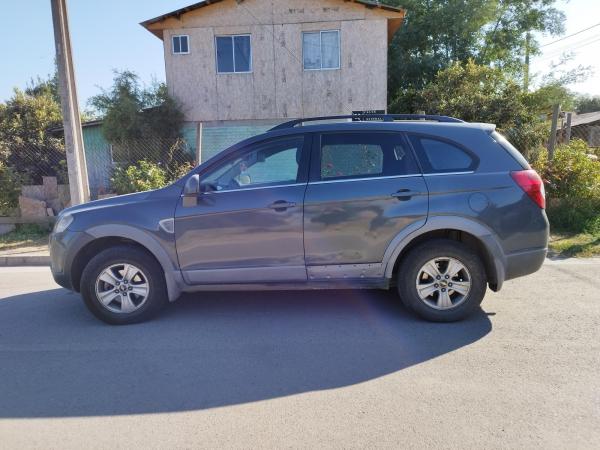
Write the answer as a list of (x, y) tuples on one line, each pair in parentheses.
[(281, 205), (405, 194)]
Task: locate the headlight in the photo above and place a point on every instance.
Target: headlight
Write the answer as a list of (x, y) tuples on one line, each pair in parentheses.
[(63, 223)]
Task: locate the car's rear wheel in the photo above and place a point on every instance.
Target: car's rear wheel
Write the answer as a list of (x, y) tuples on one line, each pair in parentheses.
[(442, 280), (123, 285)]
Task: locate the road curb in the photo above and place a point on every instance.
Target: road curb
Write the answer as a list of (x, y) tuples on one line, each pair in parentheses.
[(24, 260)]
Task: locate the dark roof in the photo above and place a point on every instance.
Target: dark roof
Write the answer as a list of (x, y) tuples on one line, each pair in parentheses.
[(583, 119), (89, 123), (179, 12)]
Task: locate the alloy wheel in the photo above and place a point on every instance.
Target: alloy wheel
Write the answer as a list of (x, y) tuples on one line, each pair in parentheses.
[(443, 283), (122, 288)]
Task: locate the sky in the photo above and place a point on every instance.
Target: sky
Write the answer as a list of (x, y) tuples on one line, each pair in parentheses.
[(106, 35)]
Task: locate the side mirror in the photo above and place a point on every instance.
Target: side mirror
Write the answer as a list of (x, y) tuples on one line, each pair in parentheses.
[(191, 191)]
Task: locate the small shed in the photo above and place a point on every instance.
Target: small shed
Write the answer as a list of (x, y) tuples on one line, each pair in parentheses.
[(587, 128)]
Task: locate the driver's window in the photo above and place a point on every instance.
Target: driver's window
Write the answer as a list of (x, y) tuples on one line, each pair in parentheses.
[(267, 164)]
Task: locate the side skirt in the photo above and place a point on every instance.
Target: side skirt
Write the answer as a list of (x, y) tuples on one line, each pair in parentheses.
[(360, 283)]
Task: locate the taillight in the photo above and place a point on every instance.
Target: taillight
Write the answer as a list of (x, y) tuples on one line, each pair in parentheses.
[(532, 184)]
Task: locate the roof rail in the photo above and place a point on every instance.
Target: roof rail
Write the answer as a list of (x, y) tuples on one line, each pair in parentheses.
[(368, 118)]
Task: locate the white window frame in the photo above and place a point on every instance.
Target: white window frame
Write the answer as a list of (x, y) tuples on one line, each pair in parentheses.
[(339, 36), (187, 37), (232, 36)]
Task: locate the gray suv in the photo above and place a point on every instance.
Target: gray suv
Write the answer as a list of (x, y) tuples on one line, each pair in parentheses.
[(433, 206)]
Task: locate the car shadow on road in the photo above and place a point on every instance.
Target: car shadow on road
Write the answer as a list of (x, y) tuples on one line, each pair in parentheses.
[(207, 350)]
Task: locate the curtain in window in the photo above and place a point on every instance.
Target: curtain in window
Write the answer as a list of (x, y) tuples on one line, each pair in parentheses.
[(330, 49), (224, 54), (241, 46), (311, 50)]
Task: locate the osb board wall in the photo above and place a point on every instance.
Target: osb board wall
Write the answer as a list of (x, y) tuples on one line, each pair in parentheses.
[(278, 87)]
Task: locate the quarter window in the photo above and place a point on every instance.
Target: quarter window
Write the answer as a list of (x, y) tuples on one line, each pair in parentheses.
[(363, 155), (321, 50), (234, 54), (437, 156), (268, 164), (181, 45)]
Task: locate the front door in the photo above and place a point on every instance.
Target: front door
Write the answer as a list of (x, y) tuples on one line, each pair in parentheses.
[(247, 225), (364, 189)]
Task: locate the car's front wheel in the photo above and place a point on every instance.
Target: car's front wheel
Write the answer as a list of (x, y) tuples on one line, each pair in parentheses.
[(123, 285), (442, 280)]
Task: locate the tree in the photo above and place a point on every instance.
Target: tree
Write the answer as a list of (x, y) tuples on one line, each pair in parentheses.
[(587, 103), (26, 144), (438, 33), (478, 93), (141, 122)]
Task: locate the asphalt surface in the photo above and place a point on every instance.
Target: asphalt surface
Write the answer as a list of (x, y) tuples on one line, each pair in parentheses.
[(337, 369)]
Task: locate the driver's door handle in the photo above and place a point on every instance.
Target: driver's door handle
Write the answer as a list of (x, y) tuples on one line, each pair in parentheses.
[(281, 205), (405, 194)]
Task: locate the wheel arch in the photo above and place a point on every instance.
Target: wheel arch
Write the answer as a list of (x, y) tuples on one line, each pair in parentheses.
[(111, 235), (468, 231)]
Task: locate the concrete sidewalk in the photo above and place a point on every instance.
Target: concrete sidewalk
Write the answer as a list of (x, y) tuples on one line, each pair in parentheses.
[(32, 255)]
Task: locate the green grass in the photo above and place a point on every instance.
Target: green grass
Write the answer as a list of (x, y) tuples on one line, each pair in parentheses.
[(24, 236), (581, 245)]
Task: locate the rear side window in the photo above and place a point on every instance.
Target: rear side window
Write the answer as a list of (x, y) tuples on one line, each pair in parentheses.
[(512, 151), (363, 155), (440, 156)]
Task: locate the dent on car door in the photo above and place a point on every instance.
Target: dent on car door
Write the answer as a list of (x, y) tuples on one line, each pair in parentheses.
[(364, 189), (247, 225)]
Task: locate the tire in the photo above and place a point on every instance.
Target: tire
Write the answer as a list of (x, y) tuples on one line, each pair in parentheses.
[(131, 297), (447, 256)]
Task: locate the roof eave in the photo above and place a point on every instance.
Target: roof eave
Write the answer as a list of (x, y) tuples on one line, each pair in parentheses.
[(158, 32)]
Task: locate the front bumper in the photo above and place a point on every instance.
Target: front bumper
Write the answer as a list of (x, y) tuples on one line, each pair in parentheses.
[(64, 247)]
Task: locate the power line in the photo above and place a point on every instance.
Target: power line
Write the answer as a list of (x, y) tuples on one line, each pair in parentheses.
[(577, 45), (570, 35)]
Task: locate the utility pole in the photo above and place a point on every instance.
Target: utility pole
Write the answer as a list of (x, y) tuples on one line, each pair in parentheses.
[(78, 179), (527, 50)]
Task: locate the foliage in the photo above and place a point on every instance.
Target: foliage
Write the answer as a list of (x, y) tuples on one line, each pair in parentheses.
[(10, 186), (25, 142), (41, 87), (478, 94), (587, 103), (542, 100), (181, 170), (132, 112), (581, 244), (142, 176), (438, 33), (25, 235), (142, 123), (571, 174), (572, 182)]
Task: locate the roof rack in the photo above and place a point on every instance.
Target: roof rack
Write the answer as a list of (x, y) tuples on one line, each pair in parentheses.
[(368, 118)]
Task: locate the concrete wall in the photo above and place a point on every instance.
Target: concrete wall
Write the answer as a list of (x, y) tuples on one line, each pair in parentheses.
[(278, 87)]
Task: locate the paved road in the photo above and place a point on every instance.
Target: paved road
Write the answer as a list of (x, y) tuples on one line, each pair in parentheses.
[(328, 369)]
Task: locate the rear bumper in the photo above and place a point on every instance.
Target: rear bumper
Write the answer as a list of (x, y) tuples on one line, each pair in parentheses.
[(525, 262)]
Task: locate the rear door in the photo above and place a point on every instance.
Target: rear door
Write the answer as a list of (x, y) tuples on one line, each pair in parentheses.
[(364, 189)]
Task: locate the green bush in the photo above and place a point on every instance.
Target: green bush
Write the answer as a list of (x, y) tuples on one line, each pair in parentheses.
[(143, 176), (180, 170), (572, 182), (10, 187), (572, 174)]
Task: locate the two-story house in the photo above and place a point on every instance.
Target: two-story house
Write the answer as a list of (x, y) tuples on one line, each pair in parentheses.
[(239, 67)]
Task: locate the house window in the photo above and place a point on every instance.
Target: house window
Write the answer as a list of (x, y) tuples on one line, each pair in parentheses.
[(234, 54), (321, 50), (181, 45)]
